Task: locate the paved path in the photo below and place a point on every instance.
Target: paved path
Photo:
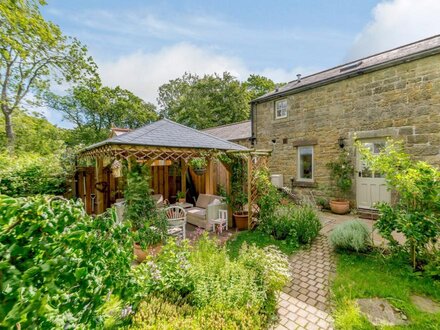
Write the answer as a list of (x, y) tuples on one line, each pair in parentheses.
[(304, 303)]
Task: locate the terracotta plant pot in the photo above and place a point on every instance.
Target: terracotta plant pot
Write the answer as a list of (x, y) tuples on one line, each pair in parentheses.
[(182, 200), (141, 255), (241, 220), (340, 206)]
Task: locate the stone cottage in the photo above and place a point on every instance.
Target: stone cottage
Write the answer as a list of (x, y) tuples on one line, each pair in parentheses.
[(239, 133), (393, 94)]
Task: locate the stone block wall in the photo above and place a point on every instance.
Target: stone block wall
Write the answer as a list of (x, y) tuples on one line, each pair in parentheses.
[(401, 102)]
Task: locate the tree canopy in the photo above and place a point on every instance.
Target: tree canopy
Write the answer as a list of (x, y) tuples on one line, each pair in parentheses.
[(33, 53), (95, 108), (211, 100)]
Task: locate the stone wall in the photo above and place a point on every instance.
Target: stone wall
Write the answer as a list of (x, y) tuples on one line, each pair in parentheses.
[(401, 102)]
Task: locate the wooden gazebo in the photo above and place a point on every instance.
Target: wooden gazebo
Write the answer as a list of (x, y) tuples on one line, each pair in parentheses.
[(167, 146)]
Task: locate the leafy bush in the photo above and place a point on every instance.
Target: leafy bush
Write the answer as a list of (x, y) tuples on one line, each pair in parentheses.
[(296, 224), (214, 291), (57, 264), (341, 173), (416, 214), (31, 174), (149, 223), (351, 235), (307, 224)]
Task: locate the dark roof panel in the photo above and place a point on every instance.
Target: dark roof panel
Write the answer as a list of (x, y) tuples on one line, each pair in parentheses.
[(166, 133), (232, 132), (423, 47)]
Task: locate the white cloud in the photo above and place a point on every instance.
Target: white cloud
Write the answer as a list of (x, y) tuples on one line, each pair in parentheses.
[(396, 23), (143, 73)]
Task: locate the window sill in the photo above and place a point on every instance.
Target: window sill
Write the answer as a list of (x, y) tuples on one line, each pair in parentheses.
[(305, 184)]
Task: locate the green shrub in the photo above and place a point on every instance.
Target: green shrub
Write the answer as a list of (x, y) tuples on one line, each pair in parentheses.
[(149, 222), (31, 174), (58, 265), (351, 235), (295, 224), (222, 293), (307, 224)]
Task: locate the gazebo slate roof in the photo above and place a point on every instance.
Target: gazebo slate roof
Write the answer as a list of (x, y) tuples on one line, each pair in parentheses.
[(166, 133)]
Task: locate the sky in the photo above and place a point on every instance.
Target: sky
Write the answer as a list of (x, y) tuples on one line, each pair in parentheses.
[(141, 44)]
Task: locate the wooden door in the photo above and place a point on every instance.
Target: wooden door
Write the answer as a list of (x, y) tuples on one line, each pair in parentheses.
[(371, 187)]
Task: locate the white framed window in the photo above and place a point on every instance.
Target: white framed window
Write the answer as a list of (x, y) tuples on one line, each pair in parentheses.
[(305, 163), (281, 109)]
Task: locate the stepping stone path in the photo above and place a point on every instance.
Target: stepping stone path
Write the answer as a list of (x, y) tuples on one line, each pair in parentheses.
[(304, 303)]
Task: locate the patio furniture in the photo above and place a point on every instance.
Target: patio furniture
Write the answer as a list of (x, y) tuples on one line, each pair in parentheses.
[(184, 205), (176, 221), (207, 207), (221, 221)]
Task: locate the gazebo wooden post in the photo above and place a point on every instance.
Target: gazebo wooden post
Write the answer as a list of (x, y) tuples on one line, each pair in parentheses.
[(209, 179), (184, 169), (228, 192), (249, 189), (100, 195)]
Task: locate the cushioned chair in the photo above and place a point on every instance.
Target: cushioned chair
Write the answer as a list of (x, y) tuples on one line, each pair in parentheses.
[(207, 207)]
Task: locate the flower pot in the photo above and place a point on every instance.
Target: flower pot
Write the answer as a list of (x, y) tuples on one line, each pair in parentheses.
[(199, 171), (141, 255), (340, 206), (182, 200), (241, 220)]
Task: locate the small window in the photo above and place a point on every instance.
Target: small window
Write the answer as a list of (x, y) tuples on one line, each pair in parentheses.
[(281, 109), (305, 163)]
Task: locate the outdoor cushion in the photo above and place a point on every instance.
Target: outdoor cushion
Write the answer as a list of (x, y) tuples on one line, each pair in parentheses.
[(203, 200), (196, 212), (215, 201)]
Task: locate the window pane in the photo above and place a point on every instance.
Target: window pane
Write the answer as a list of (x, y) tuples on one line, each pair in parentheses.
[(306, 163), (281, 108)]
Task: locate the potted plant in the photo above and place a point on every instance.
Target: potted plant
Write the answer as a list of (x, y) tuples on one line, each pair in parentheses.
[(149, 224), (181, 197), (341, 174), (238, 201), (198, 165)]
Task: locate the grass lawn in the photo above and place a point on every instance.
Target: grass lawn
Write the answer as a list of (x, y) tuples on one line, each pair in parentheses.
[(367, 276), (258, 238)]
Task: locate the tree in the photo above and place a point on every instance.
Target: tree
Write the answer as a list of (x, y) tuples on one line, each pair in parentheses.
[(94, 109), (257, 86), (203, 102), (34, 134), (33, 52)]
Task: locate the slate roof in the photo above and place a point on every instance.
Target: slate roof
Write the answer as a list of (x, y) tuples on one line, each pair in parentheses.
[(418, 49), (166, 133), (232, 132)]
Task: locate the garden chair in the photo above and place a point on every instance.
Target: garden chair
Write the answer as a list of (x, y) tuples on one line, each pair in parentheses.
[(176, 221), (221, 221)]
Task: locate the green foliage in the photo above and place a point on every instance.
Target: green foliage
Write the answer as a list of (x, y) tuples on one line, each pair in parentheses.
[(203, 102), (149, 223), (31, 174), (57, 264), (341, 174), (351, 235), (417, 212), (238, 197), (206, 289), (94, 109), (383, 276), (296, 224), (307, 224), (257, 86), (259, 239), (181, 194), (268, 196), (34, 52), (198, 162), (33, 134)]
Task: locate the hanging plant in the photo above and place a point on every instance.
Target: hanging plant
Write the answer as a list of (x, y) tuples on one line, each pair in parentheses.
[(116, 169), (198, 165)]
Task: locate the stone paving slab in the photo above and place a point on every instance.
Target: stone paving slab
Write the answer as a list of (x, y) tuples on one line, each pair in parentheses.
[(304, 302)]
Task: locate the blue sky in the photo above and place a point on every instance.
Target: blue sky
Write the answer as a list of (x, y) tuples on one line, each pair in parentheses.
[(140, 45)]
